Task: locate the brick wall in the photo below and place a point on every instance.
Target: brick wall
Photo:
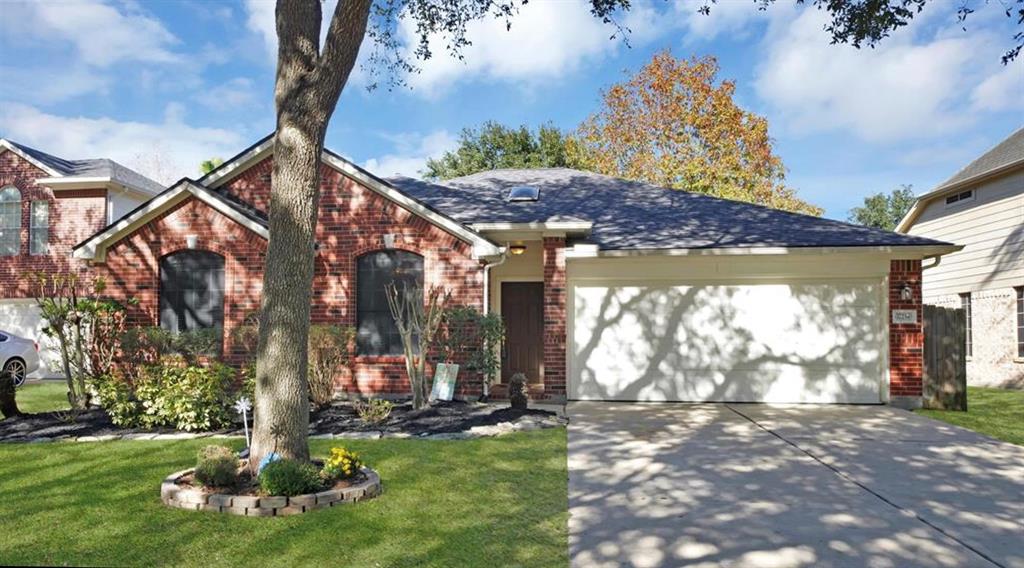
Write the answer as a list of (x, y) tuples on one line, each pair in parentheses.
[(906, 341), (554, 317), (353, 219), (74, 215)]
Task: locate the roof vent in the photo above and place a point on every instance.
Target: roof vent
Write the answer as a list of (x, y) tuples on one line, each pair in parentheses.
[(523, 193)]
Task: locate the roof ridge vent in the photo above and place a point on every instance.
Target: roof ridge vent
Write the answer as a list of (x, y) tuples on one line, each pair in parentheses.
[(523, 193)]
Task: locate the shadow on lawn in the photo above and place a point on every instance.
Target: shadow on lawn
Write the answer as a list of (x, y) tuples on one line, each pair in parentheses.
[(480, 502)]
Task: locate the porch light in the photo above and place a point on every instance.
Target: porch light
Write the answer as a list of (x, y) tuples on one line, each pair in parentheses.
[(517, 250), (191, 241), (907, 293)]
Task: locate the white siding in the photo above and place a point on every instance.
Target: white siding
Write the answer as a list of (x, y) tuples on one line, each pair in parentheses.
[(120, 203), (991, 228)]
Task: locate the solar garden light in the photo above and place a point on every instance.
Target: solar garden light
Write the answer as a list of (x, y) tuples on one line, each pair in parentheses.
[(243, 406)]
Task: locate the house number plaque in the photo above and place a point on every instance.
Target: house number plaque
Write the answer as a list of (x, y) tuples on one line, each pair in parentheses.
[(904, 316)]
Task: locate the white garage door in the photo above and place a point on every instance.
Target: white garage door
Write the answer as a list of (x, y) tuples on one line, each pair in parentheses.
[(773, 342), (21, 317)]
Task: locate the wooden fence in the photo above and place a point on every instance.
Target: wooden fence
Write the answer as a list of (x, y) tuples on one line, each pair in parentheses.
[(945, 358)]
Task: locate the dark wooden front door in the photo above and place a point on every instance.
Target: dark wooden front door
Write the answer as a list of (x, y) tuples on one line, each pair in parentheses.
[(522, 306)]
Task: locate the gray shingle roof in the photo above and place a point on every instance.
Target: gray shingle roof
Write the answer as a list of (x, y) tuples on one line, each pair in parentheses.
[(97, 167), (1003, 154), (633, 215)]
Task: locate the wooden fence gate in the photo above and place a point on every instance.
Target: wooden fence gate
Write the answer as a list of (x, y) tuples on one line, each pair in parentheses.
[(945, 358)]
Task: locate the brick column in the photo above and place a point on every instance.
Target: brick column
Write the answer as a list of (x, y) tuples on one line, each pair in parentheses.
[(906, 340), (554, 318)]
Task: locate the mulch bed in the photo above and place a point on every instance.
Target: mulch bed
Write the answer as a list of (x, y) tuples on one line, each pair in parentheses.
[(340, 417), (248, 485)]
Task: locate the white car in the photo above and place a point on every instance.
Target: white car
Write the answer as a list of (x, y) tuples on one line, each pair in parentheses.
[(18, 357)]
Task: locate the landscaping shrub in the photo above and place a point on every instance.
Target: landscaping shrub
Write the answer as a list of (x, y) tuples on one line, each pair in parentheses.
[(187, 397), (374, 410), (290, 477), (341, 464), (329, 351), (216, 466), (118, 399)]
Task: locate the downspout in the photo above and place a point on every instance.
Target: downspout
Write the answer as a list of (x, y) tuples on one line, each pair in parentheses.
[(938, 259), (487, 303)]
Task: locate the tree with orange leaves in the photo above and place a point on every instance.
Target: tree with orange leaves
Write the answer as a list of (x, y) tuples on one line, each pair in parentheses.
[(675, 125)]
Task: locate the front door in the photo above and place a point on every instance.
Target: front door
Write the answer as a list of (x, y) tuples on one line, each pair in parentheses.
[(522, 307)]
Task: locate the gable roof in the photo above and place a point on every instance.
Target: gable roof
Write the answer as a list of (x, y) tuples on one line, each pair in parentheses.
[(1005, 156), (482, 246), (98, 169), (633, 215), (95, 246)]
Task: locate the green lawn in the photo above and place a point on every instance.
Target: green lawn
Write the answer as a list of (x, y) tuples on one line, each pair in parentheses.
[(994, 412), (46, 396), (486, 502)]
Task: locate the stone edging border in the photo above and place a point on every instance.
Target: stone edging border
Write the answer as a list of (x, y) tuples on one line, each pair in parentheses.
[(176, 496), (523, 424)]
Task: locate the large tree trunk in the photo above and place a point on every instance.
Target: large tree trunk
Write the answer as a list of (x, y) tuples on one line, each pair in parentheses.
[(306, 92), (8, 403)]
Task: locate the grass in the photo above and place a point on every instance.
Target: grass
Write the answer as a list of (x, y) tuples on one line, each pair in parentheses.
[(45, 396), (485, 502), (994, 412)]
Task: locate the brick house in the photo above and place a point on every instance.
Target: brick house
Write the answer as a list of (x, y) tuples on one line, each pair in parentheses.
[(610, 289), (981, 207), (47, 205)]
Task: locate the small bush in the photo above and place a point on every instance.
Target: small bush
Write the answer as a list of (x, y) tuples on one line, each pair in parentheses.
[(118, 399), (374, 410), (289, 478), (329, 351), (341, 464), (216, 466), (186, 397)]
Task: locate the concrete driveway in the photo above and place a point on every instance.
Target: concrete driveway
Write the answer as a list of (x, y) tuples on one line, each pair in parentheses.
[(753, 485)]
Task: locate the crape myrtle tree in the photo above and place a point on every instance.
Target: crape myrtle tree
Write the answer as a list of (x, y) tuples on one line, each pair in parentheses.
[(310, 77)]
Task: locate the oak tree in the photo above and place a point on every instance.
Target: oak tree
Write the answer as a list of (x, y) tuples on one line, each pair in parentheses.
[(495, 146), (883, 211)]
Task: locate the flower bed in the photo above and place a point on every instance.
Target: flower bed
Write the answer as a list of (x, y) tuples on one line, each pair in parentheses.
[(178, 491)]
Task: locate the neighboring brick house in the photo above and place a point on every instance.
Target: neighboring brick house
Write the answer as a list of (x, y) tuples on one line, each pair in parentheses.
[(48, 205), (610, 290), (981, 207)]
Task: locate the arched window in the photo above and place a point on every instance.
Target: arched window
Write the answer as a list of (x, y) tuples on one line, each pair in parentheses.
[(191, 291), (10, 221), (377, 333)]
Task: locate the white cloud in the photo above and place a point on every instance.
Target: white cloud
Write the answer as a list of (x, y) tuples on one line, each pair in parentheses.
[(165, 150), (1001, 91), (732, 18), (547, 40), (908, 87), (101, 34), (238, 94), (411, 153), (52, 85)]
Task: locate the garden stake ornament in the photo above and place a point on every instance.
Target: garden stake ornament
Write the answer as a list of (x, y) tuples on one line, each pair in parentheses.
[(243, 406)]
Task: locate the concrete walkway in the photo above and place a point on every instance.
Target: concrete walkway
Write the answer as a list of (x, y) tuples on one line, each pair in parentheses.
[(751, 485)]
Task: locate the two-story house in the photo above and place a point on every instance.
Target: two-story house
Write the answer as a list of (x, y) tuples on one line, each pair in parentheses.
[(982, 208), (48, 205)]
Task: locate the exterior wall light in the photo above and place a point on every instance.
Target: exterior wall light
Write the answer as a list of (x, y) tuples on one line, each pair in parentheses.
[(192, 241), (517, 250), (907, 293)]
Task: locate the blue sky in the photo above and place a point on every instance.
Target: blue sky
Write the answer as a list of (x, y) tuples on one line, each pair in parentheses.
[(161, 85)]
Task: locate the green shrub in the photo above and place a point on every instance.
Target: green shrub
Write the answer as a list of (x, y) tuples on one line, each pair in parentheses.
[(118, 399), (186, 397), (329, 351), (216, 466), (289, 478), (374, 410)]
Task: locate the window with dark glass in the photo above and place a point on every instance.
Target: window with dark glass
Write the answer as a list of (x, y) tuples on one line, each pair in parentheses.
[(191, 291), (965, 303), (39, 228), (10, 221), (376, 332), (1020, 321)]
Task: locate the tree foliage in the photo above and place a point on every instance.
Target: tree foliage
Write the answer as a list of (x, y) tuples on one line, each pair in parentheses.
[(495, 146), (207, 166), (673, 124), (883, 211)]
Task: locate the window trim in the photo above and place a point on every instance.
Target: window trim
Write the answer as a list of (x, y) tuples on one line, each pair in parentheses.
[(1020, 322), (33, 229), (16, 202), (361, 313), (959, 197)]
